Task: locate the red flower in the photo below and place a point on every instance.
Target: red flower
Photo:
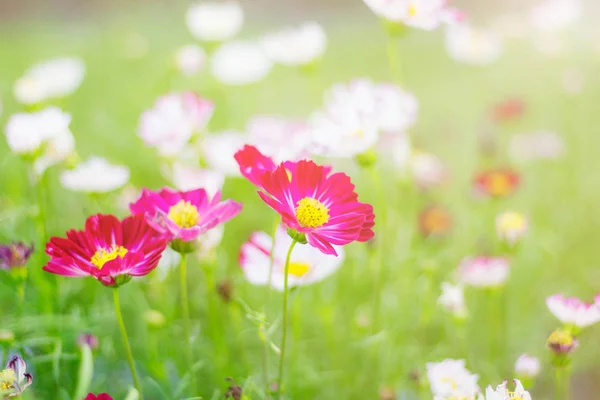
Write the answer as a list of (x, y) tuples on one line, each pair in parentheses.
[(101, 396), (110, 250), (321, 207), (497, 182), (508, 110)]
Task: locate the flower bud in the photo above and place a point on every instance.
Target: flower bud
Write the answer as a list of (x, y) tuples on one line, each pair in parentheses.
[(88, 339), (154, 319)]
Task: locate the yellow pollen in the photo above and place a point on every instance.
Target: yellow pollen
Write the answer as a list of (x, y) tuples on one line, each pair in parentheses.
[(298, 269), (412, 10), (184, 214), (451, 381), (512, 221), (514, 396), (561, 337), (311, 213), (7, 378), (103, 256), (499, 184)]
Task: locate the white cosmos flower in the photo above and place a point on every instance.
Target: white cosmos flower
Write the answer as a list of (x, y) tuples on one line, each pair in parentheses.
[(501, 393), (186, 177), (96, 175), (423, 14), (427, 170), (296, 46), (44, 135), (307, 264), (453, 299), (573, 311), (536, 145), (218, 150), (450, 379), (173, 120), (473, 46), (215, 21), (555, 15), (356, 113), (50, 79), (527, 366), (190, 59), (484, 272), (240, 63), (279, 138)]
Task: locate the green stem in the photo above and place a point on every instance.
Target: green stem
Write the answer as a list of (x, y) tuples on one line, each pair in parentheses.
[(394, 59), (186, 319), (375, 257), (562, 378), (43, 285), (285, 318), (136, 381), (265, 352)]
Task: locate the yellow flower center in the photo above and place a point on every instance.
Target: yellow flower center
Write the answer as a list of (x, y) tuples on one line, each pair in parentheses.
[(103, 256), (561, 337), (499, 184), (412, 10), (514, 396), (184, 214), (512, 222), (311, 213), (7, 379), (298, 269)]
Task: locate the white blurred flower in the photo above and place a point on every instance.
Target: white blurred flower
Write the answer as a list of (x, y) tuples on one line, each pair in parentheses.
[(573, 311), (50, 79), (511, 226), (218, 151), (401, 147), (307, 264), (427, 170), (527, 367), (43, 135), (555, 15), (127, 195), (169, 260), (215, 21), (483, 272), (473, 46), (190, 59), (423, 14), (449, 379), (501, 393), (573, 81), (208, 242), (356, 113), (96, 175), (279, 138), (240, 63), (453, 299), (296, 46), (173, 120), (536, 145), (186, 177)]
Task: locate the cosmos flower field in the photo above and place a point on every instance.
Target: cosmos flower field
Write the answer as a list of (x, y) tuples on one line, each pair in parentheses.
[(394, 201)]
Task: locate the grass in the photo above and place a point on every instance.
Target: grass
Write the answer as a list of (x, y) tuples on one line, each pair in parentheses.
[(330, 354)]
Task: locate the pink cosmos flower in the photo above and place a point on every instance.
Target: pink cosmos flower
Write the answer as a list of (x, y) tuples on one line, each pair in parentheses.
[(173, 120), (422, 14), (253, 164), (109, 250), (484, 271), (101, 396), (184, 215), (320, 207), (572, 311)]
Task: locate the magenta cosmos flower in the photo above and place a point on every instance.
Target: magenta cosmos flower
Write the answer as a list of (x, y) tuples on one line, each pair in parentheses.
[(184, 215), (322, 208), (109, 250), (101, 396), (253, 164)]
